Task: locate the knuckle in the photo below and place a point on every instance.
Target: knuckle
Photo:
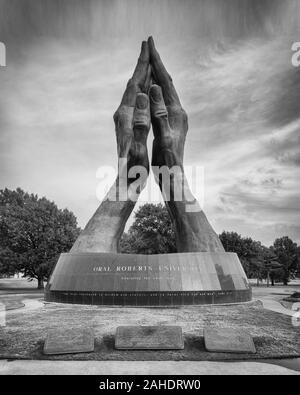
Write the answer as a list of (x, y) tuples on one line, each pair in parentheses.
[(132, 83), (123, 117), (176, 110), (179, 113), (142, 125), (141, 117), (160, 113)]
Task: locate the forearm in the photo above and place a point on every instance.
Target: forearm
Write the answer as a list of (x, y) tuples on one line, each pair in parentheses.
[(193, 231), (104, 230)]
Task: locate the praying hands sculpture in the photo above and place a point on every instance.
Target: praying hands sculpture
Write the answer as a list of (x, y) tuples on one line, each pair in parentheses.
[(150, 98)]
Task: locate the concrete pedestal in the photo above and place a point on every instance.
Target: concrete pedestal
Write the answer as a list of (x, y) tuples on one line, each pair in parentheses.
[(148, 280)]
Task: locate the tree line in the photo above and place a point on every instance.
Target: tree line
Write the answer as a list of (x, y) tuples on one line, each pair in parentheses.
[(34, 231), (152, 233)]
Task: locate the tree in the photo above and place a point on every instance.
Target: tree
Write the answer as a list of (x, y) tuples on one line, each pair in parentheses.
[(8, 262), (33, 232), (265, 265), (258, 260), (298, 264), (248, 251), (288, 256), (271, 267), (151, 233)]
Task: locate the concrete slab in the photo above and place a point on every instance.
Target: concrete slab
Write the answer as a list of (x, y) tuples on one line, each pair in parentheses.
[(149, 338), (71, 341), (228, 340), (140, 367)]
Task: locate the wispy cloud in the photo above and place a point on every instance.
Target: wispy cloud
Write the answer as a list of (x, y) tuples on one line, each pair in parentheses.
[(68, 65)]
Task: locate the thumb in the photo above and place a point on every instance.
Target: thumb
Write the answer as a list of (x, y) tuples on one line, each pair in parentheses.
[(159, 112), (141, 116)]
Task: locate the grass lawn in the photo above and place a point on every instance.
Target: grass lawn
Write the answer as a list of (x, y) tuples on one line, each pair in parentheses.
[(18, 285), (26, 330)]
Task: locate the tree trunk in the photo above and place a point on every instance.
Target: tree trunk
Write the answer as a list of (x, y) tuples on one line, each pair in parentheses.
[(40, 283)]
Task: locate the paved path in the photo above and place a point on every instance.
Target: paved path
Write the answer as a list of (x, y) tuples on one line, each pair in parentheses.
[(140, 367), (271, 296), (291, 363), (273, 305)]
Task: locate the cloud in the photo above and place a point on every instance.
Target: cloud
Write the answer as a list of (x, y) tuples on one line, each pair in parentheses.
[(67, 68)]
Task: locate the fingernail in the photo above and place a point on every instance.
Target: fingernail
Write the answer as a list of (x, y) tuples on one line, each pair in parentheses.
[(155, 93), (141, 101)]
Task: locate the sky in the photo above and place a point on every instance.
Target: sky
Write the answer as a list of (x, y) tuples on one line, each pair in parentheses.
[(67, 65)]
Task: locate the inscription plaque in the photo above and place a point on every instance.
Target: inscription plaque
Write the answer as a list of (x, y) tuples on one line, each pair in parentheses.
[(228, 340), (148, 280), (70, 341), (149, 338)]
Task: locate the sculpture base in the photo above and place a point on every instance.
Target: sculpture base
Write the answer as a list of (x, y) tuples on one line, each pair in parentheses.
[(148, 280)]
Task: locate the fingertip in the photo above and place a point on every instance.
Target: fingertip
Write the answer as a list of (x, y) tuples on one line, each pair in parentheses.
[(144, 51), (155, 93), (142, 101), (151, 44)]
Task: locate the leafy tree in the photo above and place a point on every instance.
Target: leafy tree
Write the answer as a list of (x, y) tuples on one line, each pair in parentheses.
[(248, 251), (258, 261), (288, 256), (271, 267), (151, 233), (33, 232), (8, 262), (265, 265), (298, 265)]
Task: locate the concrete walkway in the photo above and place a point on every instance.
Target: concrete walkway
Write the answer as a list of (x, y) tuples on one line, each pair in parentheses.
[(291, 363), (271, 296), (140, 367), (273, 305)]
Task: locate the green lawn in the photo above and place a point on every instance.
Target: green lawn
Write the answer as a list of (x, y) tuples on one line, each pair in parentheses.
[(17, 285)]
